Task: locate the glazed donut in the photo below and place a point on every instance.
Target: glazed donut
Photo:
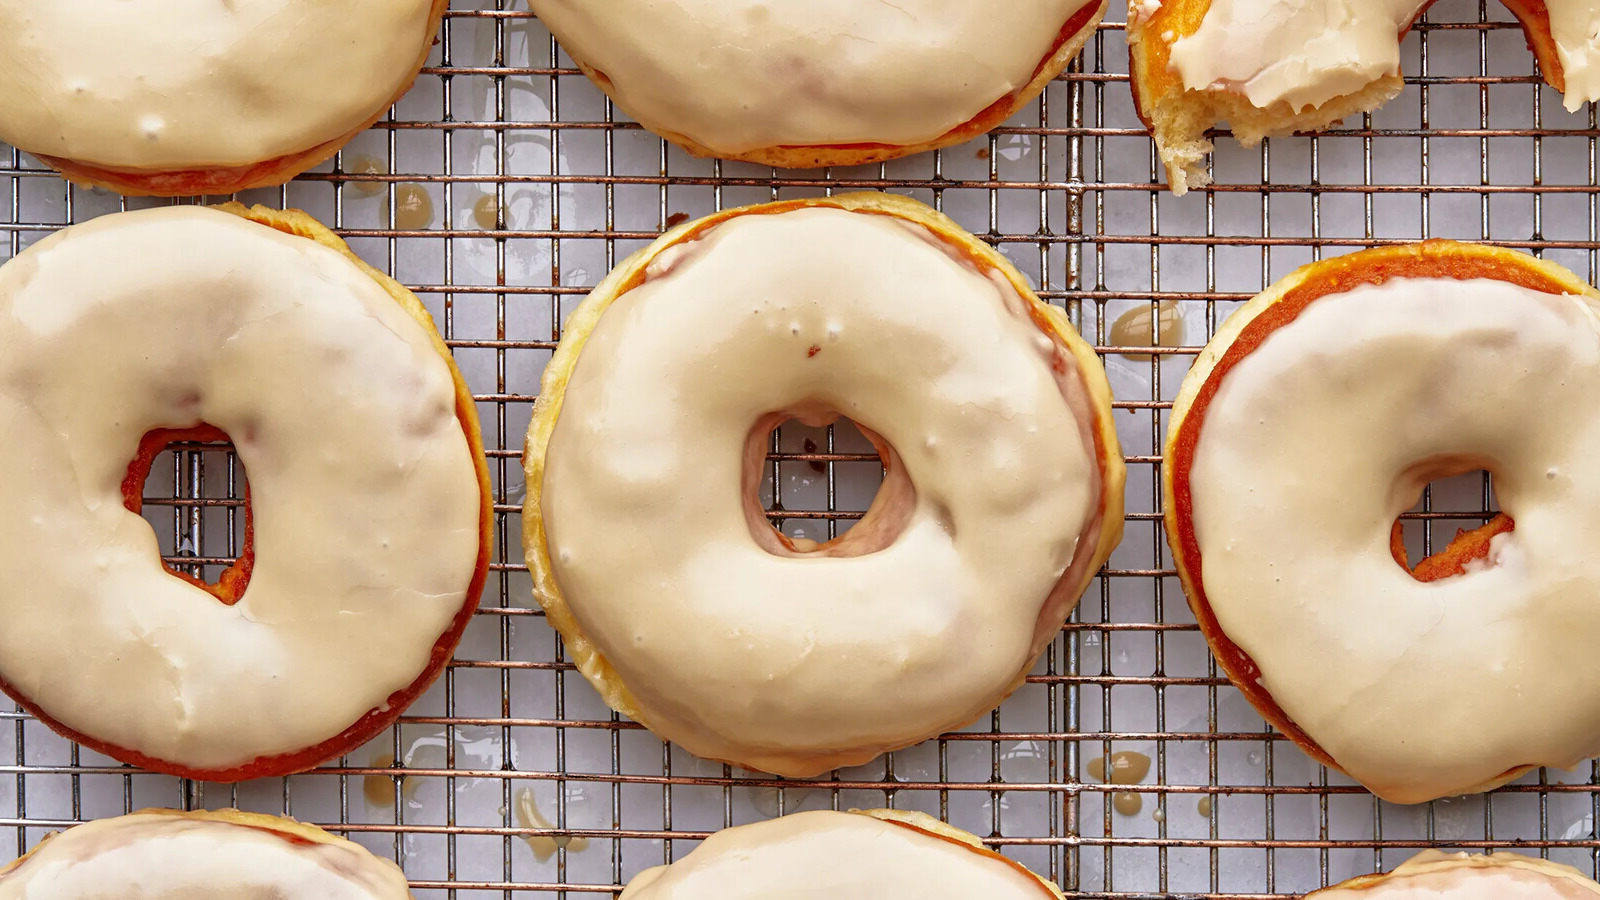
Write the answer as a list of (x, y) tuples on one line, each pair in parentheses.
[(1271, 67), (1432, 875), (199, 97), (163, 853), (826, 855), (367, 538), (1003, 491), (1309, 423), (820, 83)]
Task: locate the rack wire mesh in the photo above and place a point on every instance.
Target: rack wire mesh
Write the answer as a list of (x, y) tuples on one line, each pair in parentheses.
[(504, 186)]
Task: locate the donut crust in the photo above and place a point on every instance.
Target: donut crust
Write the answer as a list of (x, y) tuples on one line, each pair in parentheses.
[(217, 180), (928, 825), (300, 224), (815, 156), (1178, 118), (290, 830), (1242, 333), (631, 273)]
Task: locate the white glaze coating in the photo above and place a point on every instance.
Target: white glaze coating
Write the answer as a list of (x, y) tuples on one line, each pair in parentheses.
[(1307, 52), (826, 855), (1575, 28), (1432, 875), (363, 488), (795, 662), (148, 856), (175, 84), (741, 75), (1320, 437), (1304, 52)]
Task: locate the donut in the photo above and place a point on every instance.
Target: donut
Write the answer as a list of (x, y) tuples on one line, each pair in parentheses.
[(201, 97), (821, 83), (163, 853), (1272, 67), (1313, 419), (368, 517), (692, 615), (1432, 875), (826, 855)]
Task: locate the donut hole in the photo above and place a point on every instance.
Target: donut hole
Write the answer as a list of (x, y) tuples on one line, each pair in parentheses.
[(1449, 528), (815, 483), (191, 488)]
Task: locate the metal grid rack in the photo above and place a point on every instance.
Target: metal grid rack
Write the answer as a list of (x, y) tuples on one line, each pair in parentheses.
[(504, 186)]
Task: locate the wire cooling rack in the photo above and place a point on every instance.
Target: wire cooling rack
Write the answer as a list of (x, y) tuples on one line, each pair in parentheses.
[(504, 186)]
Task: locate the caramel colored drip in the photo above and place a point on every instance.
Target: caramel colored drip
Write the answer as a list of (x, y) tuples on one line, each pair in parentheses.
[(379, 789), (366, 164), (1132, 329), (1127, 803), (487, 212), (1127, 767), (413, 208), (544, 846), (1204, 807)]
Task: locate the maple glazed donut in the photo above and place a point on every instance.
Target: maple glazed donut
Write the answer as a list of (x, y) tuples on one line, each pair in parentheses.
[(366, 535), (687, 610), (201, 97), (1272, 67), (163, 853), (831, 855), (1309, 423), (1432, 875), (167, 854), (824, 82)]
